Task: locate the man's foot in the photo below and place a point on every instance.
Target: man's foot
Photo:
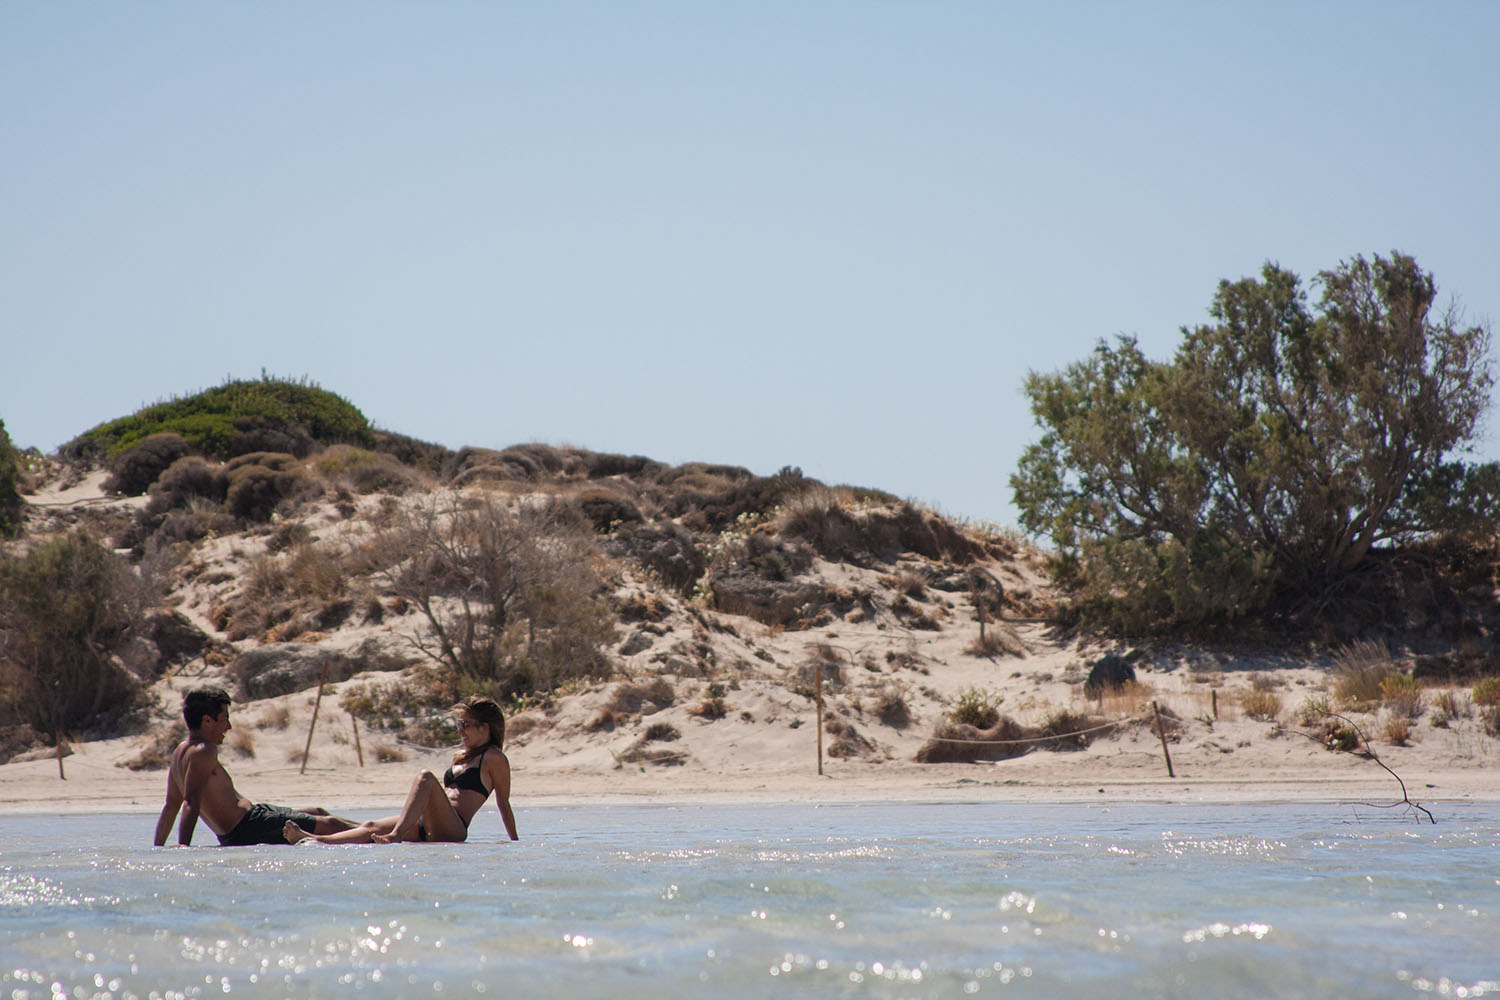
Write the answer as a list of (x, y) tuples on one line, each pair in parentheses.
[(294, 833)]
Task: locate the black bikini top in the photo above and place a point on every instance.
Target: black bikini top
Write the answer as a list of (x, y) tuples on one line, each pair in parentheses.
[(468, 779)]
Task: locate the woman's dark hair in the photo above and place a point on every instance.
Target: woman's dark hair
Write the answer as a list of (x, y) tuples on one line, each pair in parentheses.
[(484, 710), (198, 702)]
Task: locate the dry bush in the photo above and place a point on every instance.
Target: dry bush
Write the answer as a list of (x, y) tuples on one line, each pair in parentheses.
[(632, 698), (519, 725), (1396, 728), (976, 707), (996, 640), (1402, 695), (299, 590), (274, 717), (1448, 706), (242, 743), (713, 705), (1165, 722), (1066, 730), (1263, 682), (389, 753), (156, 749), (954, 743), (1486, 692), (907, 581), (1491, 718), (604, 721), (512, 598), (1129, 698), (1339, 735), (1263, 706), (658, 756), (850, 743), (663, 732), (1359, 668), (891, 708)]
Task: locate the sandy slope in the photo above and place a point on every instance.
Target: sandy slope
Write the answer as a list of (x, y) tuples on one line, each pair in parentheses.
[(765, 748)]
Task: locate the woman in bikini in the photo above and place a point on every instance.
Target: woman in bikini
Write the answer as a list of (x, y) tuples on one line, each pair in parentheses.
[(442, 810)]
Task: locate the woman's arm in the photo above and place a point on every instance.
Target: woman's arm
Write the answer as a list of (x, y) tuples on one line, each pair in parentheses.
[(497, 769)]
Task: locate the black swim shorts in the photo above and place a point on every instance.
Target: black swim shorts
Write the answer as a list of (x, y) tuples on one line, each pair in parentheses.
[(263, 825)]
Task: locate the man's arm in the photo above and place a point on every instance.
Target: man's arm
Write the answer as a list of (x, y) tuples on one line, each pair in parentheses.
[(168, 811), (199, 764)]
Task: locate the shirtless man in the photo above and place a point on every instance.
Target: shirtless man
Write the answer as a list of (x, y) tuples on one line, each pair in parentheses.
[(197, 780)]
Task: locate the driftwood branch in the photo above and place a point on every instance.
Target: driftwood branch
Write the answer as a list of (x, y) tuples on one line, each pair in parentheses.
[(1369, 752)]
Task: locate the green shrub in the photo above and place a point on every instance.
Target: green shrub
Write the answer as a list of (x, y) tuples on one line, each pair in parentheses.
[(1402, 695), (188, 478), (134, 470), (238, 416), (1313, 710), (1266, 460), (65, 608), (257, 486), (363, 471), (976, 707), (11, 505), (1487, 692)]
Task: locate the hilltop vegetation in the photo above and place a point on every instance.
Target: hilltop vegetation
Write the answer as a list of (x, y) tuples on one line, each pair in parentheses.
[(238, 417)]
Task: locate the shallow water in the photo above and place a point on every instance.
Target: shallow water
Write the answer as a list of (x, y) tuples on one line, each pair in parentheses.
[(859, 901)]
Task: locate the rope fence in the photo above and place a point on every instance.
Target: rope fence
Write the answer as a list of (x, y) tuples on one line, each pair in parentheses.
[(1031, 739)]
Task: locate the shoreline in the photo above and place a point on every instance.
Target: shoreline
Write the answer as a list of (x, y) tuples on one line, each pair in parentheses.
[(33, 788)]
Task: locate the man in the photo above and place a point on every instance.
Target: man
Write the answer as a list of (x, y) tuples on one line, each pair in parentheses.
[(197, 780)]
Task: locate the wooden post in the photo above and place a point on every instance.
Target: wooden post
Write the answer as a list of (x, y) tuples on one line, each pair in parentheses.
[(357, 748), (307, 750), (1213, 696), (64, 777), (820, 714), (1162, 732)]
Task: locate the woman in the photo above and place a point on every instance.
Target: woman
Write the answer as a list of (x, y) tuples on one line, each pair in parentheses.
[(443, 810)]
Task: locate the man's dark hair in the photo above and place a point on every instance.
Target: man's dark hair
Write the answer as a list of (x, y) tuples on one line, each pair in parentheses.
[(203, 701)]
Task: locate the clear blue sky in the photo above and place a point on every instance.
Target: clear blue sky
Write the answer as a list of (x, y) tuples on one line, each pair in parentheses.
[(827, 234)]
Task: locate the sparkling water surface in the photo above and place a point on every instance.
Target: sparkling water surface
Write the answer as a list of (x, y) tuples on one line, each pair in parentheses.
[(771, 901)]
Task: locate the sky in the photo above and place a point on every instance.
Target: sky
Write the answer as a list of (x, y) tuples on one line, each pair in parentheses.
[(813, 233)]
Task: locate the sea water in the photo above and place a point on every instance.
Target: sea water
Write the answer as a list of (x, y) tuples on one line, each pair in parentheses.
[(771, 901)]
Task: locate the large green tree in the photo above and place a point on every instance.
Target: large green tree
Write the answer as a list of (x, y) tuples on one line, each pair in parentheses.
[(66, 607), (10, 495), (1281, 444)]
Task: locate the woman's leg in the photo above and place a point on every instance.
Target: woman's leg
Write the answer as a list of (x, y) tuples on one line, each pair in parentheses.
[(428, 803), (364, 833)]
